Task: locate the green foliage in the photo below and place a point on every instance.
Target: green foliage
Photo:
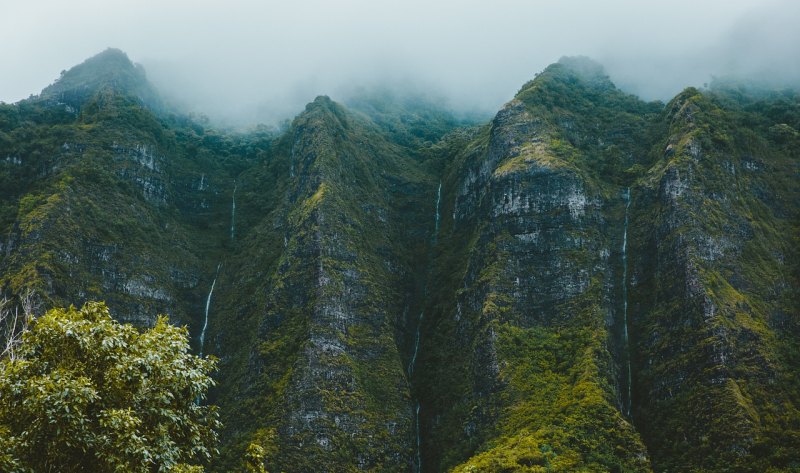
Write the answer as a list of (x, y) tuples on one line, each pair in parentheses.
[(413, 121), (254, 459), (591, 125), (555, 414), (84, 390), (110, 69)]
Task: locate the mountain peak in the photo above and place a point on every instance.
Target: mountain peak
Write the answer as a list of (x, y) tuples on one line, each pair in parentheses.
[(582, 64), (584, 67), (579, 70), (321, 102), (570, 77), (109, 69), (110, 56)]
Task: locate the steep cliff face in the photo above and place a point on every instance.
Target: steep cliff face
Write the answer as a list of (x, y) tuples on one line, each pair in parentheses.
[(586, 282), (715, 275), (330, 328), (528, 323), (107, 200)]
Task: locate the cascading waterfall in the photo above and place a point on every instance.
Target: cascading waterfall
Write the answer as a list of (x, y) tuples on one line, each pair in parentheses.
[(412, 363), (233, 210), (208, 306), (627, 197)]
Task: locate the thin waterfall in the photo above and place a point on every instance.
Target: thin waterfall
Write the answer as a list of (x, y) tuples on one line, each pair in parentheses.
[(438, 201), (233, 210), (419, 437), (291, 159), (412, 363), (416, 345), (627, 197), (208, 306)]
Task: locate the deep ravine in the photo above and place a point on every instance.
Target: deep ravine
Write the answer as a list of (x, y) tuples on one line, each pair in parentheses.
[(415, 351)]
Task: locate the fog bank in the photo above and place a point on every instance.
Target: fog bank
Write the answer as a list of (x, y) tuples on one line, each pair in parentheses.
[(247, 61)]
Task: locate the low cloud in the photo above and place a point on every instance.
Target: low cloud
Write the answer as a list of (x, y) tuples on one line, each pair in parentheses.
[(247, 61)]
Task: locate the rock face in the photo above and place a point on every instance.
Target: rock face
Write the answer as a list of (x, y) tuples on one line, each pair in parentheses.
[(587, 282), (529, 251), (333, 376), (714, 347), (107, 203)]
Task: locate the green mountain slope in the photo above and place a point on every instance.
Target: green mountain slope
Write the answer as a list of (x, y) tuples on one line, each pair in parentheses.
[(321, 374), (588, 282), (107, 199), (527, 321), (715, 290)]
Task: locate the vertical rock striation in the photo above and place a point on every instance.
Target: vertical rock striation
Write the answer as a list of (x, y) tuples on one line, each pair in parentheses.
[(523, 339), (713, 349)]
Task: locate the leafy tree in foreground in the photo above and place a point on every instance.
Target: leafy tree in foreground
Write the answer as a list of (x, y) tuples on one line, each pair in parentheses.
[(254, 459), (86, 393)]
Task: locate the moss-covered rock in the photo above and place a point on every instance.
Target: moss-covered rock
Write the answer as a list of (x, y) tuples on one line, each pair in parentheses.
[(588, 282)]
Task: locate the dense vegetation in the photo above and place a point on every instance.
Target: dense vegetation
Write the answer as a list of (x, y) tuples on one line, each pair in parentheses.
[(82, 392), (588, 282)]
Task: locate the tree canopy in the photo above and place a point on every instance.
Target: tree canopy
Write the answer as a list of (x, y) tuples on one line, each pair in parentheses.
[(86, 393)]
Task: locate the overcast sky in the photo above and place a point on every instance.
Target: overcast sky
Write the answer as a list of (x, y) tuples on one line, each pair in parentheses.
[(261, 60)]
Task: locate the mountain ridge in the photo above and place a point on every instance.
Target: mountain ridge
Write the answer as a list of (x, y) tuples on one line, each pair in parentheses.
[(561, 288)]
